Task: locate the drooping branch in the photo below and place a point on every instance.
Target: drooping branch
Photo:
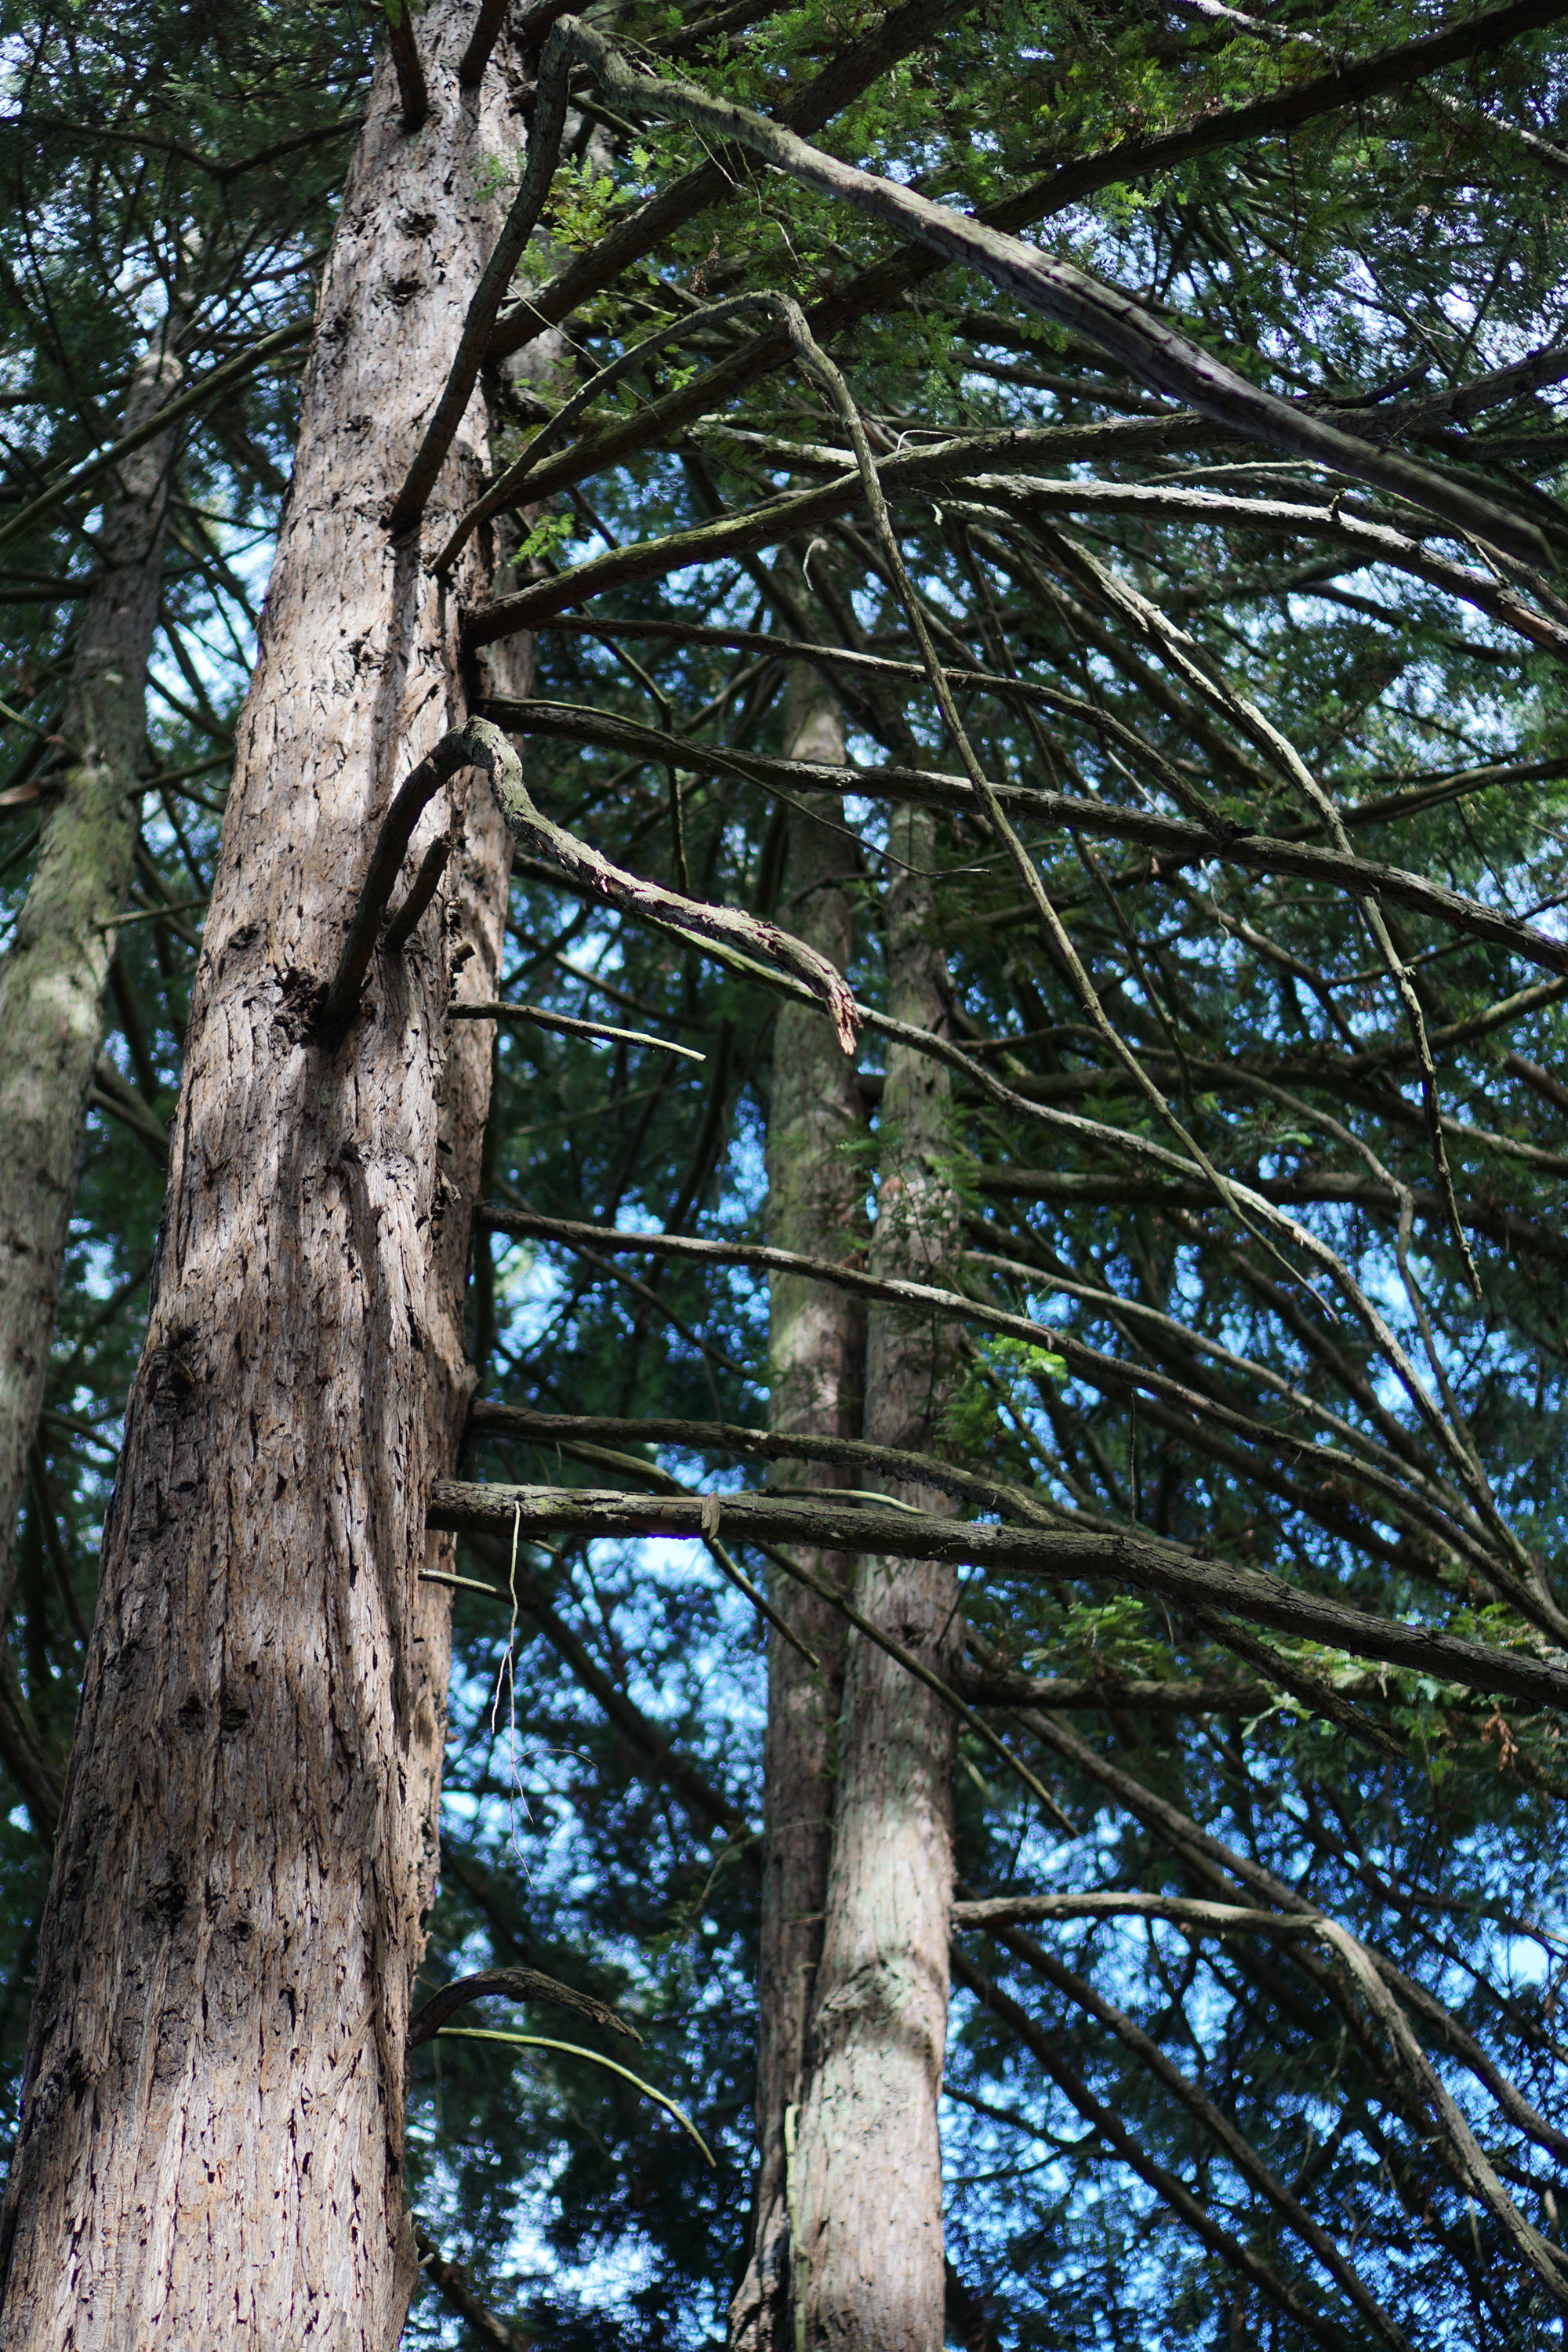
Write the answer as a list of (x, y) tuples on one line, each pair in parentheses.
[(1171, 839), (1048, 2049), (888, 280), (479, 743), (1224, 1866), (1153, 354), (635, 896), (1212, 2119)]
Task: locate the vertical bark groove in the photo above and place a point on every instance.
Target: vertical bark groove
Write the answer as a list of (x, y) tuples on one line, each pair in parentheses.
[(213, 2122)]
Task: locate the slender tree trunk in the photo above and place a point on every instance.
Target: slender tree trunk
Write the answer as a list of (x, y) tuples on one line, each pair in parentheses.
[(815, 1349), (52, 977), (212, 2140), (868, 2252)]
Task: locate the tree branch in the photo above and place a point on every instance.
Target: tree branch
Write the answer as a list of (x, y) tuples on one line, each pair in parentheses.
[(1173, 839), (543, 151), (1152, 353), (454, 2283), (1142, 1562), (512, 1984), (412, 91)]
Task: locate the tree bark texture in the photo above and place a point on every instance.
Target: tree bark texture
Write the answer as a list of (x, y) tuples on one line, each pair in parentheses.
[(817, 1189), (868, 2253), (52, 977), (212, 2137)]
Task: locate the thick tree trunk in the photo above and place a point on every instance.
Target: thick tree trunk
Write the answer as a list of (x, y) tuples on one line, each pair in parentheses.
[(212, 2140), (816, 1348), (52, 977), (868, 2254)]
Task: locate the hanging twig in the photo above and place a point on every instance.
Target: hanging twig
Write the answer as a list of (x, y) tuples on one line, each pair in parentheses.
[(536, 1016)]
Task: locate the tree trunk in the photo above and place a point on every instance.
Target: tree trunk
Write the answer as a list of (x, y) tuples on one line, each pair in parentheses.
[(212, 2140), (815, 1351), (52, 977), (868, 2255)]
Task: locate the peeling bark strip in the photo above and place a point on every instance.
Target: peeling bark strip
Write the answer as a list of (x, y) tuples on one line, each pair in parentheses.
[(52, 977), (211, 2148), (815, 1371)]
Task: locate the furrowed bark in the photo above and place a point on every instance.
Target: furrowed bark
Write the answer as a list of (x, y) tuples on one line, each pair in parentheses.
[(867, 2250), (211, 2148), (817, 1346), (52, 977)]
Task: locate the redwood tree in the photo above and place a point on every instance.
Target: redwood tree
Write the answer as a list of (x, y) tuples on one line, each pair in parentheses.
[(213, 2132)]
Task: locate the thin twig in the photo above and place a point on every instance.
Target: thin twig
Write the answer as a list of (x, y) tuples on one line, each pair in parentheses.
[(493, 1009)]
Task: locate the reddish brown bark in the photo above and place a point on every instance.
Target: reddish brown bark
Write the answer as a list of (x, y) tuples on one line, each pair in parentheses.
[(213, 2123)]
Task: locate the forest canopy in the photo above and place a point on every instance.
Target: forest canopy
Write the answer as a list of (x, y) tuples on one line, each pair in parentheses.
[(784, 838)]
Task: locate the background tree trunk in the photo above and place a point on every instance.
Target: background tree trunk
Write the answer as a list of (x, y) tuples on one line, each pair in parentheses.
[(211, 2140), (868, 2260), (52, 977), (816, 1365)]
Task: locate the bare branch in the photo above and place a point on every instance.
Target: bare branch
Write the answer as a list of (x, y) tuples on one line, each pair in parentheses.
[(412, 91), (1142, 1561), (512, 1984)]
